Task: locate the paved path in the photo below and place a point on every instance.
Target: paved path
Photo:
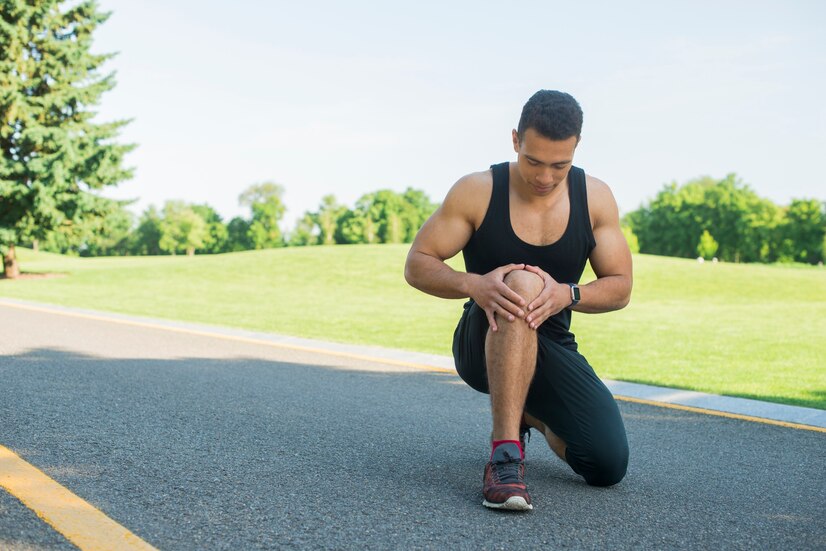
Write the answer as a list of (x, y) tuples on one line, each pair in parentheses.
[(197, 442)]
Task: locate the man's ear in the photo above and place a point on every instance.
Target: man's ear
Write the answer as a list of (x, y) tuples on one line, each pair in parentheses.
[(515, 136)]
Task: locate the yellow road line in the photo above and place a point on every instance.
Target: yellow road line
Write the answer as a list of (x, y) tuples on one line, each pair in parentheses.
[(80, 522), (717, 413), (389, 361)]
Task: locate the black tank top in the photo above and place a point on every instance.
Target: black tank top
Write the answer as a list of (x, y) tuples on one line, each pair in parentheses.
[(495, 243)]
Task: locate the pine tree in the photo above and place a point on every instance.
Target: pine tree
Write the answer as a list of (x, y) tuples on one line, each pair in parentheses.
[(53, 156)]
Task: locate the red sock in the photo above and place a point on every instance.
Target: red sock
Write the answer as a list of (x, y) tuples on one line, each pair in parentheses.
[(518, 444)]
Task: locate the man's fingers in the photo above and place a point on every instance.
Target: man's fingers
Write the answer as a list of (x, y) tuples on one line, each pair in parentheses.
[(536, 270), (511, 267), (497, 309), (541, 314), (541, 299), (506, 291), (512, 298), (491, 320), (537, 318), (509, 309)]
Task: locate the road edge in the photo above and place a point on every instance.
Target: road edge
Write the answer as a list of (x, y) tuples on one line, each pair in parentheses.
[(687, 400)]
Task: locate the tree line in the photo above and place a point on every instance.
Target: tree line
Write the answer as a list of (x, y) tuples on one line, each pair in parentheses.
[(726, 219), (706, 218), (384, 216)]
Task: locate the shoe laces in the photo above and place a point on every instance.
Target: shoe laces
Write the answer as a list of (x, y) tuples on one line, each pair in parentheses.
[(507, 472)]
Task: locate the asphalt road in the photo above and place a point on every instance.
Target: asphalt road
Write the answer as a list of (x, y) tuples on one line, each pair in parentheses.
[(195, 442)]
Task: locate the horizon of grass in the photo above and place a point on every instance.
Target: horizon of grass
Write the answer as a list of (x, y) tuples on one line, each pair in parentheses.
[(748, 330)]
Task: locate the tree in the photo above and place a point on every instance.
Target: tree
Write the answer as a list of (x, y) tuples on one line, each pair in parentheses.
[(743, 224), (662, 226), (354, 227), (182, 229), (761, 241), (326, 218), (216, 235), (108, 234), (422, 207), (805, 226), (268, 209), (147, 237), (238, 235), (359, 224), (707, 247), (304, 232), (385, 216), (53, 156)]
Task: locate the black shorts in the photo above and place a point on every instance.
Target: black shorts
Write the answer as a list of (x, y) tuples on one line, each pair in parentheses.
[(565, 394)]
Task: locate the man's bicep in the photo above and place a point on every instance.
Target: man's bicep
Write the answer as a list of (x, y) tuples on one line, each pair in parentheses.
[(449, 229), (611, 255), (444, 234)]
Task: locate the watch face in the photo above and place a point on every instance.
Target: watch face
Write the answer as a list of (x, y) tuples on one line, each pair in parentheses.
[(575, 291)]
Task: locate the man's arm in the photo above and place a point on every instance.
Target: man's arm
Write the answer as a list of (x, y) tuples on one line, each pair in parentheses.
[(610, 259), (443, 236)]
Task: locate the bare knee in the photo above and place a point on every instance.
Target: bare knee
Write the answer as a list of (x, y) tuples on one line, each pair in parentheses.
[(527, 284)]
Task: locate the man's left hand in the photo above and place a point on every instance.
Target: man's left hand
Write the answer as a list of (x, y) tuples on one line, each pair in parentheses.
[(553, 299)]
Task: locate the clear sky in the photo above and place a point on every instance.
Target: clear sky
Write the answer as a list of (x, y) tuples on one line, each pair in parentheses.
[(350, 97)]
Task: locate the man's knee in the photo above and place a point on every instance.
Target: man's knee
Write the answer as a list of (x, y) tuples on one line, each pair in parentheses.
[(607, 465), (527, 284)]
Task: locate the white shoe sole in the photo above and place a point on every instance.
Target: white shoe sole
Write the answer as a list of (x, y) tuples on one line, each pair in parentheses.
[(513, 503)]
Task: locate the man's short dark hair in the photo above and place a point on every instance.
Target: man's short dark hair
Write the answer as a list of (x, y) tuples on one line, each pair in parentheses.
[(555, 115)]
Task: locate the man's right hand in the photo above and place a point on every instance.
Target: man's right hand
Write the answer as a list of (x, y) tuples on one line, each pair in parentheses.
[(493, 296)]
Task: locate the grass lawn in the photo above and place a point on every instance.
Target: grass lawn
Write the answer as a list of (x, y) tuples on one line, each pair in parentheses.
[(741, 330)]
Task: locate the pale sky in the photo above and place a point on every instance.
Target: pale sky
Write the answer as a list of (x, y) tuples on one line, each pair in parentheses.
[(351, 97)]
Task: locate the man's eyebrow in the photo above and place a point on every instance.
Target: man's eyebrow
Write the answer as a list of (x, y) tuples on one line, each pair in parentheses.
[(552, 164)]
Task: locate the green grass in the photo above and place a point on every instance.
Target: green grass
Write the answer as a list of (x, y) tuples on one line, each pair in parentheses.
[(741, 330)]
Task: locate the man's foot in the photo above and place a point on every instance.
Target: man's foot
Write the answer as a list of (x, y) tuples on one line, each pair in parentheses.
[(504, 485)]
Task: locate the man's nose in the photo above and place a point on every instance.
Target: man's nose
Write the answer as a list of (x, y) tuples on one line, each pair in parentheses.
[(545, 177)]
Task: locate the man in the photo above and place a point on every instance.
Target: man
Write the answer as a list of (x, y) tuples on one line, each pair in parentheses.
[(526, 230)]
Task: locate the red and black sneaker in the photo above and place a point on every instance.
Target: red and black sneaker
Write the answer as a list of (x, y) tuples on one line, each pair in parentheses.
[(504, 486)]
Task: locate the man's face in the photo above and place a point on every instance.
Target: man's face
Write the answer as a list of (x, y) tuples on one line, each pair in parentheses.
[(543, 163)]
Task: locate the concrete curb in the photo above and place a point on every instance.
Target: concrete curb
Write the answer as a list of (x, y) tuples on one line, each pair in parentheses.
[(667, 396)]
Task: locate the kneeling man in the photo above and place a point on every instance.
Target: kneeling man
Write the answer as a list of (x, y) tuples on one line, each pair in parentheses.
[(526, 230)]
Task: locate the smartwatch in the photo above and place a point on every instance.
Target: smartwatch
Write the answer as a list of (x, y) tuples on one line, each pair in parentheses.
[(574, 294)]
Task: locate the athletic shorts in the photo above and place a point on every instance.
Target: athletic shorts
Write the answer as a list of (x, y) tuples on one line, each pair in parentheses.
[(565, 394)]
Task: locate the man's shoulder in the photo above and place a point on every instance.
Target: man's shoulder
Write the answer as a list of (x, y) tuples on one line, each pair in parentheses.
[(598, 191), (475, 181), (470, 195), (472, 188), (595, 184), (600, 198)]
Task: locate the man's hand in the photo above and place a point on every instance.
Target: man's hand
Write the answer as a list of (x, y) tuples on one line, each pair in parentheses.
[(491, 293), (553, 299)]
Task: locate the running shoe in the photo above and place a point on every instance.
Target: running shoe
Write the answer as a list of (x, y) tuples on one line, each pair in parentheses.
[(504, 482)]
